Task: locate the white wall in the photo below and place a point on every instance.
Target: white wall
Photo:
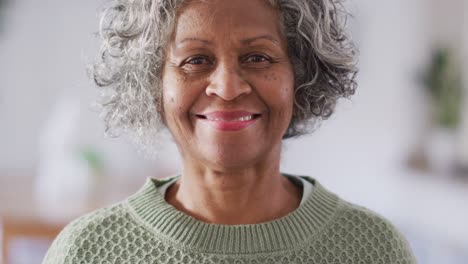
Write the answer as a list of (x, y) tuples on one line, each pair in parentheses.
[(367, 139), (446, 21), (45, 49), (42, 53)]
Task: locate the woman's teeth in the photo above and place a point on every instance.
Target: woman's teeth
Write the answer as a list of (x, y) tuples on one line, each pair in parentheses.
[(243, 118)]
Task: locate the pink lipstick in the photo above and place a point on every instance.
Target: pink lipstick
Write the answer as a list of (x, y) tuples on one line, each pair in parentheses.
[(229, 120)]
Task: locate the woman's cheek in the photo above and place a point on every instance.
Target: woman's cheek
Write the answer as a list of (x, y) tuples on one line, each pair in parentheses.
[(169, 98), (270, 77), (279, 86)]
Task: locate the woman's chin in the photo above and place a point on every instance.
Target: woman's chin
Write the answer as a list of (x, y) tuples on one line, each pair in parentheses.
[(235, 158)]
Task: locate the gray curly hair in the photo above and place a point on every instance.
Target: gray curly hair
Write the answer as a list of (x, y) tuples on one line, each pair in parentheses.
[(135, 33)]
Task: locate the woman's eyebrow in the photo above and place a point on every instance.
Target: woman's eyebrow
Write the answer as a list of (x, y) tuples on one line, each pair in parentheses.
[(203, 41), (246, 41), (269, 37)]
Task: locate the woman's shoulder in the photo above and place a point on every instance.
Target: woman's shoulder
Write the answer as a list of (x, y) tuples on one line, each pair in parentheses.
[(375, 231), (367, 230), (362, 219), (354, 228), (80, 235), (106, 232), (353, 214)]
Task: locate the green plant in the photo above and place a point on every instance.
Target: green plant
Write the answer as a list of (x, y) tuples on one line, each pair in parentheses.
[(93, 159), (443, 82)]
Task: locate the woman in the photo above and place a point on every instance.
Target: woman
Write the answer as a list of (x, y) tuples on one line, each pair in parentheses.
[(230, 80)]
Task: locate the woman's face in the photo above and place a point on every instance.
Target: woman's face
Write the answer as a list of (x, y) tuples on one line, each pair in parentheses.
[(228, 83)]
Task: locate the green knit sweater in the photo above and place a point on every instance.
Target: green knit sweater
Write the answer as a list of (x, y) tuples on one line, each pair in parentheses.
[(144, 228)]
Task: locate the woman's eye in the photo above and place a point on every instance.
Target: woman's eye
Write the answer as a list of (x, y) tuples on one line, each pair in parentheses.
[(257, 61), (196, 64), (256, 58), (197, 60)]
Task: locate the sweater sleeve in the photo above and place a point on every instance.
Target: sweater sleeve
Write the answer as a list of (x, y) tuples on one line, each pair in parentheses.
[(379, 236), (72, 243), (405, 255), (400, 246), (69, 246), (60, 250)]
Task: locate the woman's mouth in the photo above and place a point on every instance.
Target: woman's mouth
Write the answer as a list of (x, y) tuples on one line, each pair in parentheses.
[(229, 120)]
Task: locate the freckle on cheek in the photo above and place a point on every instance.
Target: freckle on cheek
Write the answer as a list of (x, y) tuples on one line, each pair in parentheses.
[(270, 77), (274, 77)]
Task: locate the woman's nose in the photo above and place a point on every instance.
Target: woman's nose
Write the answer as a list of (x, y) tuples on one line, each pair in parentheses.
[(227, 83)]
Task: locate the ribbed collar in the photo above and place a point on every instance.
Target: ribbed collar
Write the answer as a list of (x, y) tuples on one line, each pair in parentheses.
[(280, 234)]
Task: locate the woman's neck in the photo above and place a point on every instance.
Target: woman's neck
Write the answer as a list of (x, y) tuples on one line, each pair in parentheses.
[(245, 197)]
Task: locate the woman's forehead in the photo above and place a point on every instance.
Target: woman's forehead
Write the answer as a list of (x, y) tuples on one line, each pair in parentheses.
[(241, 19)]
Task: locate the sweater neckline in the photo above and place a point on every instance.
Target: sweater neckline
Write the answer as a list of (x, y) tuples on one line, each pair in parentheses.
[(283, 233), (306, 186)]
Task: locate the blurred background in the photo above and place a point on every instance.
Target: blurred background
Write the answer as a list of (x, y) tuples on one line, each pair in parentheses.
[(399, 146)]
